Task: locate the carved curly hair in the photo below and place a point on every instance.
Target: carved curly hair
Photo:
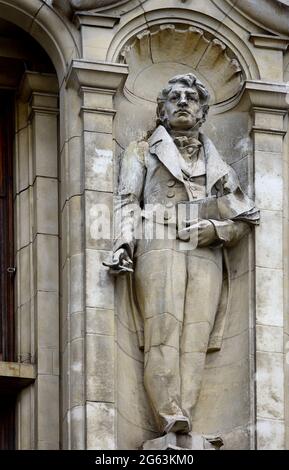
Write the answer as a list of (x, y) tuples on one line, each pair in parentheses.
[(189, 80)]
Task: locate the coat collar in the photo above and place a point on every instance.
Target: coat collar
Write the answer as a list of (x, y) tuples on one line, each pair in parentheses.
[(216, 167), (162, 145)]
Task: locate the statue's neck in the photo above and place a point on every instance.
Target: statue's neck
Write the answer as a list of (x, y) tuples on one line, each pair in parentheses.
[(184, 133)]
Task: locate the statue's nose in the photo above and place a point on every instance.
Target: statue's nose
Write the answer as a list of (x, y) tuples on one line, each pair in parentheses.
[(183, 102)]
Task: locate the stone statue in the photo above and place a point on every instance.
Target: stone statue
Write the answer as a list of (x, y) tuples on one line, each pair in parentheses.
[(179, 284)]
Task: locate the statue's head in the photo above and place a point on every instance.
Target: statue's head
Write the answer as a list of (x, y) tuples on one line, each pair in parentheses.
[(183, 104)]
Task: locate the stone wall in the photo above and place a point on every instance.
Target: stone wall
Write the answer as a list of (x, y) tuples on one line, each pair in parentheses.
[(111, 58)]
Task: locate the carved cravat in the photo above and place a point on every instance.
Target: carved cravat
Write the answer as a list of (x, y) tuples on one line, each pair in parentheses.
[(188, 145), (192, 165)]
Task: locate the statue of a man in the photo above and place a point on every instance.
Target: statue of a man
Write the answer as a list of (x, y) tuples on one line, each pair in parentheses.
[(178, 288)]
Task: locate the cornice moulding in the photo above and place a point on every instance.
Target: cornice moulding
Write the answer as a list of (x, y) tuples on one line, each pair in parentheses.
[(264, 41), (101, 75), (34, 82), (274, 96), (95, 19)]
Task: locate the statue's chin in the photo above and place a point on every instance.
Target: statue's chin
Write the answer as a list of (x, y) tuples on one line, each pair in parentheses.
[(183, 123)]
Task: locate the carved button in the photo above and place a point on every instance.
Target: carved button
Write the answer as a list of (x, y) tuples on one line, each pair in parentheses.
[(171, 183), (171, 193), (169, 205)]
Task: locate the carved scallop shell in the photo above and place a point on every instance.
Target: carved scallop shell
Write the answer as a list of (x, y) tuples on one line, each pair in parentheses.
[(155, 56)]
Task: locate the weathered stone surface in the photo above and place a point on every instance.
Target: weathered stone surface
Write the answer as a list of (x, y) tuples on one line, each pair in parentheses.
[(191, 441), (177, 315), (16, 369), (100, 426), (270, 13), (66, 5), (244, 395), (270, 384), (100, 368)]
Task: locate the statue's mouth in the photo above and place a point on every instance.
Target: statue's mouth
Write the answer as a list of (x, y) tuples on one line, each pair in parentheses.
[(182, 112)]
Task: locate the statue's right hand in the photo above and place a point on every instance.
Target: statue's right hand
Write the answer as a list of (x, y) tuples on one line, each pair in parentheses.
[(121, 262)]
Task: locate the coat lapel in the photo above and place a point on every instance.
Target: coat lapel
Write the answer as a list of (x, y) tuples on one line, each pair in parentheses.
[(216, 167), (162, 145)]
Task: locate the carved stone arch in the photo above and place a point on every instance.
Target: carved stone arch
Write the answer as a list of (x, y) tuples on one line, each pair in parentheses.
[(165, 47), (184, 18), (154, 52), (48, 27)]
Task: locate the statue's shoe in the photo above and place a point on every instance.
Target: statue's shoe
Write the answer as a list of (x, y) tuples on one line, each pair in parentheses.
[(178, 424)]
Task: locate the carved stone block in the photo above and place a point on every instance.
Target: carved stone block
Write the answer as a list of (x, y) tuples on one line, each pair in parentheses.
[(191, 441)]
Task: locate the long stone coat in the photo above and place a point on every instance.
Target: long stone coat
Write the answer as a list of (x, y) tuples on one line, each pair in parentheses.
[(150, 176)]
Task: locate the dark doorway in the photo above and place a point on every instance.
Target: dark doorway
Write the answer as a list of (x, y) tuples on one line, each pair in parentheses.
[(7, 327), (7, 422)]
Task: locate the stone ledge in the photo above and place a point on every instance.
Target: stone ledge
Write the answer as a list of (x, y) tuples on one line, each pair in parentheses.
[(95, 74), (14, 376), (265, 41), (41, 83), (95, 20), (269, 96), (191, 441)]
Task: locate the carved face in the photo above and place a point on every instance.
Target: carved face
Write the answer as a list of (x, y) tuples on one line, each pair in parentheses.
[(182, 108)]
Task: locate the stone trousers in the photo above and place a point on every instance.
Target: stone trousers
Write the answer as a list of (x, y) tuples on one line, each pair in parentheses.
[(178, 293)]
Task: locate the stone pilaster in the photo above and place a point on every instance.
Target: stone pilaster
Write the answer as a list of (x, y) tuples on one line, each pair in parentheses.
[(96, 84), (97, 31), (269, 109), (37, 240)]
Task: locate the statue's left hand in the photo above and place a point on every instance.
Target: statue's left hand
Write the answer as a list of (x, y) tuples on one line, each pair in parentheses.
[(206, 231)]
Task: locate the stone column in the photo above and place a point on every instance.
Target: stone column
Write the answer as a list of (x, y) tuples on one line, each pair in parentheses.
[(93, 324), (269, 109), (37, 240)]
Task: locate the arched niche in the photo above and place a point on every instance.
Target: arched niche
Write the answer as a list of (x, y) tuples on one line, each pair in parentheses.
[(154, 55), (159, 53)]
